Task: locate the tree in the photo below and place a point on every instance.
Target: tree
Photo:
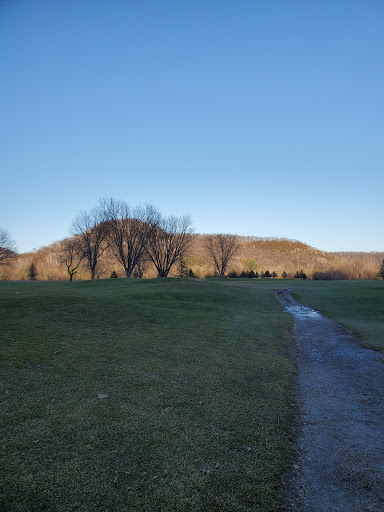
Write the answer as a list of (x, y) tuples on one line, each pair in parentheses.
[(141, 267), (129, 230), (32, 272), (113, 275), (274, 274), (267, 274), (284, 275), (250, 263), (221, 248), (252, 275), (71, 255), (92, 231), (169, 240), (7, 247), (381, 271), (182, 268), (300, 275)]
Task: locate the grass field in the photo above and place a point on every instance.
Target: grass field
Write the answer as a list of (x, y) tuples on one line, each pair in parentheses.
[(357, 304), (144, 396), (159, 395)]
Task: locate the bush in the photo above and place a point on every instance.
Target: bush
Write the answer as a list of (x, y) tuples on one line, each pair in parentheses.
[(232, 274), (330, 275)]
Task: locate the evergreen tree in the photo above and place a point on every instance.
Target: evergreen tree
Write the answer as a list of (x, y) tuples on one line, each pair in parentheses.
[(300, 275), (32, 272), (252, 275), (284, 275), (381, 271), (183, 269), (274, 274), (243, 274), (267, 274), (113, 275), (257, 275), (191, 275)]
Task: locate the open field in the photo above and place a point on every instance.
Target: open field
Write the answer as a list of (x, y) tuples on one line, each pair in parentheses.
[(199, 396), (199, 390)]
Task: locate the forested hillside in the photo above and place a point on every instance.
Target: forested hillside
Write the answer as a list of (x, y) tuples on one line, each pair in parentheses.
[(256, 254)]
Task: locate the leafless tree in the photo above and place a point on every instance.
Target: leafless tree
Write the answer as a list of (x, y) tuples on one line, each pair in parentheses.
[(92, 230), (71, 255), (129, 231), (221, 247), (169, 241), (7, 247)]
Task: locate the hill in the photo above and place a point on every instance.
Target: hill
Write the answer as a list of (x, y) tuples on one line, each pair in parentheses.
[(259, 254)]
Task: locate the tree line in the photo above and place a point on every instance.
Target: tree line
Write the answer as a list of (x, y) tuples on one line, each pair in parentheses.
[(140, 240), (134, 236)]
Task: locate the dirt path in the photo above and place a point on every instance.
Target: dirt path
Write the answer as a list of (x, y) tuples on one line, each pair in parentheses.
[(340, 461)]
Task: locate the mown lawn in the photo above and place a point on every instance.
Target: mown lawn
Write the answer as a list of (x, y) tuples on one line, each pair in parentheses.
[(195, 396), (357, 304)]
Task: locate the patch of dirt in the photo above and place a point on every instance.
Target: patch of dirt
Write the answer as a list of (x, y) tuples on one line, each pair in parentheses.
[(340, 431)]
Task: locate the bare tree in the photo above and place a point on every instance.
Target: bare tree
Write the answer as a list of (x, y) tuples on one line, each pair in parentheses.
[(92, 230), (71, 255), (7, 247), (221, 247), (169, 240), (129, 231)]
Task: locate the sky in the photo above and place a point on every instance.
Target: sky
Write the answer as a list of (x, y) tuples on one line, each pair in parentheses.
[(256, 118)]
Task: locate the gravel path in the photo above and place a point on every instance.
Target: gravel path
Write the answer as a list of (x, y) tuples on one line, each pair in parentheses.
[(340, 439)]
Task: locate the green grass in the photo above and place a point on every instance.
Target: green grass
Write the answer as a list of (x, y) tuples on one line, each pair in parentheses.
[(199, 391), (359, 305)]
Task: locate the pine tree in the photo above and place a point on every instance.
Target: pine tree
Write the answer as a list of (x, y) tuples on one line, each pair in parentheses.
[(32, 272), (381, 271), (113, 275), (183, 269), (284, 275), (267, 274)]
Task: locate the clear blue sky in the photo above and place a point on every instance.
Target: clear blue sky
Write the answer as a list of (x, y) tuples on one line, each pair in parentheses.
[(259, 118)]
